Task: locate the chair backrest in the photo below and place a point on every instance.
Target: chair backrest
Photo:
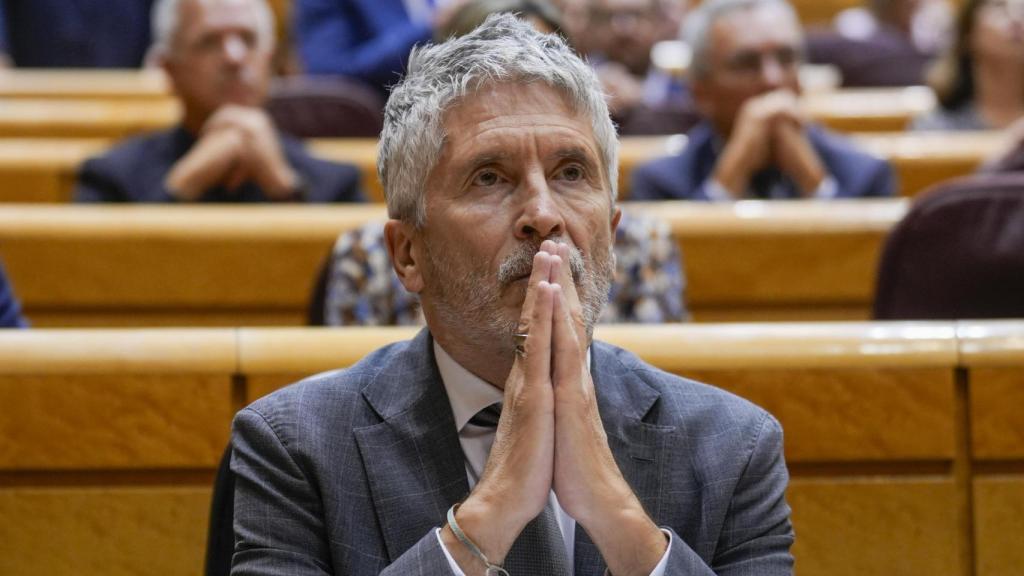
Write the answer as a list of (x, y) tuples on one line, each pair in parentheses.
[(357, 285), (958, 253), (326, 107)]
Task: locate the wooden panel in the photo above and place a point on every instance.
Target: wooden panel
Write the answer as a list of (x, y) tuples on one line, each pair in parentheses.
[(84, 118), (999, 525), (116, 531), (875, 526), (43, 170), (92, 260), (852, 415), (163, 352), (993, 353), (84, 84), (869, 109), (779, 254), (923, 159), (997, 421), (93, 422)]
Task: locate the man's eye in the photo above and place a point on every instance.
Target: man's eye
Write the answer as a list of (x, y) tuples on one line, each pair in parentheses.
[(572, 173), (486, 178)]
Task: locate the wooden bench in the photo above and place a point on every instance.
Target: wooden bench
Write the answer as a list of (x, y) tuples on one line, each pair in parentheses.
[(76, 84), (91, 114), (255, 265), (45, 169), (113, 435), (993, 354)]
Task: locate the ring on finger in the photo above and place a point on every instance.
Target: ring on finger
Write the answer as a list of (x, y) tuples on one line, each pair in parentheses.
[(519, 338)]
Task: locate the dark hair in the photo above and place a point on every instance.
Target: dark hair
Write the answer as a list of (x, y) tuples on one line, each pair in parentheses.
[(952, 76)]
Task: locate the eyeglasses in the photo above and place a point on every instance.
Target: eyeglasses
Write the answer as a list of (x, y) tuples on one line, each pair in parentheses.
[(752, 63)]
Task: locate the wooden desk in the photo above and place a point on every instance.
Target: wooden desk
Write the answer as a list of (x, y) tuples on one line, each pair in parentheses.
[(993, 353), (39, 84), (116, 434), (869, 109), (84, 118), (245, 265), (86, 112), (43, 170)]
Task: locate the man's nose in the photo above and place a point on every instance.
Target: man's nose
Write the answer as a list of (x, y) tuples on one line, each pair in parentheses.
[(235, 48), (773, 73), (541, 216)]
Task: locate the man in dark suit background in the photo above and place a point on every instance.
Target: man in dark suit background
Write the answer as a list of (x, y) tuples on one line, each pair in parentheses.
[(755, 141), (502, 438), (217, 55)]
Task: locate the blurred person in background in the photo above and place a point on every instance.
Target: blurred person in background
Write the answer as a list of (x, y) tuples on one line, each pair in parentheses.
[(886, 43), (74, 33), (217, 55), (10, 310), (979, 82), (755, 141), (618, 39), (365, 39)]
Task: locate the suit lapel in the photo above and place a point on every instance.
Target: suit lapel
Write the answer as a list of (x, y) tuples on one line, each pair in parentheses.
[(641, 448), (412, 459)]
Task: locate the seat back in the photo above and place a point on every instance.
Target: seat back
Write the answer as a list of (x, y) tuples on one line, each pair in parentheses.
[(331, 107), (357, 285), (958, 253)]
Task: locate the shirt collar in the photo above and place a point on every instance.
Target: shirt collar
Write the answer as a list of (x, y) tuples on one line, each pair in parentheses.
[(467, 393)]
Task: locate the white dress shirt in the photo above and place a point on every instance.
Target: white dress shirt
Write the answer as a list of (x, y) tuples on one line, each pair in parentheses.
[(468, 395)]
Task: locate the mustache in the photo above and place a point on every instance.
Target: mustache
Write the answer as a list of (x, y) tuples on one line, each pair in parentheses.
[(520, 263)]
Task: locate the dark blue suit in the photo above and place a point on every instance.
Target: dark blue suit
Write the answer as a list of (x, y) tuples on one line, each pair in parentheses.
[(351, 471), (75, 33), (367, 39), (135, 172), (684, 176), (10, 311)]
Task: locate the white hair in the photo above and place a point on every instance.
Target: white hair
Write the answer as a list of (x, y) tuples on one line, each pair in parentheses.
[(697, 28), (165, 20), (502, 49)]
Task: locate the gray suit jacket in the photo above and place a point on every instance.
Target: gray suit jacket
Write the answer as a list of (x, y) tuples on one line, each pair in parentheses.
[(349, 472)]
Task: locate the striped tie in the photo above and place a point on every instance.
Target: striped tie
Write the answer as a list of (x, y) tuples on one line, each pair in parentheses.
[(540, 548)]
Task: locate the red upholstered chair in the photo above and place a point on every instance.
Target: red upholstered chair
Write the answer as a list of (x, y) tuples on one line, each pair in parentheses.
[(958, 253), (325, 107)]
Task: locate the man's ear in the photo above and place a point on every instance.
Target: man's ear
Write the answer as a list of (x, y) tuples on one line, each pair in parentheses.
[(403, 248), (616, 218)]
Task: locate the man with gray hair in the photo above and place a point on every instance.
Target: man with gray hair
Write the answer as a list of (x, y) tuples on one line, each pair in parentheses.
[(503, 440), (755, 141), (217, 56)]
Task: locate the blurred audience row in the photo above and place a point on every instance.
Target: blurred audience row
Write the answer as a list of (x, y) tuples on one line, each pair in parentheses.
[(748, 135)]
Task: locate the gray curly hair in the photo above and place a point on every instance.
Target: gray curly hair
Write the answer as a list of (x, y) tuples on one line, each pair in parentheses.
[(502, 49)]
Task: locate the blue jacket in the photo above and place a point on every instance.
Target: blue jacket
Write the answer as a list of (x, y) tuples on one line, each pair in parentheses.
[(135, 172), (367, 39), (684, 176), (10, 311), (75, 33)]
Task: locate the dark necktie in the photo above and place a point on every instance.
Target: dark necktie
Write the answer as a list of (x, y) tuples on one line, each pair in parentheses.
[(539, 550)]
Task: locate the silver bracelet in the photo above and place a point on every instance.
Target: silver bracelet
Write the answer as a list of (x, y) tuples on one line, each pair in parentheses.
[(492, 569)]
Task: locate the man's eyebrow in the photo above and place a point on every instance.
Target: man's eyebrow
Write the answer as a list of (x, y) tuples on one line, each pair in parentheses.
[(577, 153), (483, 159)]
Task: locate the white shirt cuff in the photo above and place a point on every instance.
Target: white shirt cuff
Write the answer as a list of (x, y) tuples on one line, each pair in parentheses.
[(828, 189), (659, 570), (716, 192), (451, 561)]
